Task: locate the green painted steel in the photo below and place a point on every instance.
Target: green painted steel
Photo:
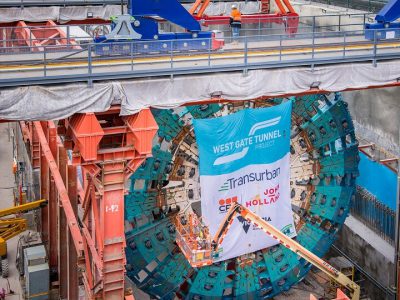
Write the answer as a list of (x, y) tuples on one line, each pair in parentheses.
[(166, 184)]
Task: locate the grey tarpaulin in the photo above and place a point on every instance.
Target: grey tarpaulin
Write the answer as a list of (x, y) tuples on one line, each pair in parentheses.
[(224, 8), (51, 103), (65, 14), (165, 93), (59, 102), (57, 13)]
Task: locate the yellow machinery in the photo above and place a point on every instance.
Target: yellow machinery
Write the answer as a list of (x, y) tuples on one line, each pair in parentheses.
[(12, 226), (201, 251)]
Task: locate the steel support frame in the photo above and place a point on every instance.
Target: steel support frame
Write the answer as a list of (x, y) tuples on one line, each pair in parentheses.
[(59, 224), (290, 20), (380, 156), (108, 149), (39, 37)]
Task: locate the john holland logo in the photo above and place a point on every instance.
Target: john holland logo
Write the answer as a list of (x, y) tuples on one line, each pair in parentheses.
[(270, 196)]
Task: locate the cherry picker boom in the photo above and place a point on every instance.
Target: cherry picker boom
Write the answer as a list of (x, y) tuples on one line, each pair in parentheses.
[(202, 255)]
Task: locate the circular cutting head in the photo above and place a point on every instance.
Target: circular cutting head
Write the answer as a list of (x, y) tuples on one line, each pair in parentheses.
[(324, 159)]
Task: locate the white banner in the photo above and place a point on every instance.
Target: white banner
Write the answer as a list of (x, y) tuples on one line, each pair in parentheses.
[(245, 157)]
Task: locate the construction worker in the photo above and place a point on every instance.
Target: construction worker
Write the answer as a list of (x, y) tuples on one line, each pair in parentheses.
[(236, 23)]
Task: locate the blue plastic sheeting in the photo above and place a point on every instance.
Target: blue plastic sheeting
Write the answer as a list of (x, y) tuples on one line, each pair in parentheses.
[(378, 180)]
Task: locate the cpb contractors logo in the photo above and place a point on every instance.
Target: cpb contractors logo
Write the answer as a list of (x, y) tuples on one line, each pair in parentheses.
[(225, 204)]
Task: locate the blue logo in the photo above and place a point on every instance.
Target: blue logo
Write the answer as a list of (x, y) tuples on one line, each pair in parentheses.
[(229, 143)]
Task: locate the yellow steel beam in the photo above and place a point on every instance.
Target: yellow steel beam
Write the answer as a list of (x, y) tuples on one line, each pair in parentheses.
[(23, 207)]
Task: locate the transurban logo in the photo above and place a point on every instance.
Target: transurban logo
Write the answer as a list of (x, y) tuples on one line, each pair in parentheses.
[(232, 183)]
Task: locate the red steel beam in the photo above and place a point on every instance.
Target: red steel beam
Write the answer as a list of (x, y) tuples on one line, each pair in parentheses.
[(72, 272), (40, 35), (109, 148), (62, 191), (52, 201), (62, 159), (44, 186), (108, 155), (112, 227)]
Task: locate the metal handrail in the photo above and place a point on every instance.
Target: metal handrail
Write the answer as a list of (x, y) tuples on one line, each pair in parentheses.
[(319, 48), (342, 22), (366, 16)]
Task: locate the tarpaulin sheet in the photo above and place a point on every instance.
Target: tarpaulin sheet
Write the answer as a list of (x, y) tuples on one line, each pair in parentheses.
[(379, 180), (68, 13), (224, 8), (57, 102), (165, 93), (244, 158), (57, 13), (43, 103)]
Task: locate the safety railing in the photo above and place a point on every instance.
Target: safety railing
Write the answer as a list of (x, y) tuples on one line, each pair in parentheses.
[(19, 36), (134, 59), (365, 5), (373, 213), (282, 25), (195, 246)]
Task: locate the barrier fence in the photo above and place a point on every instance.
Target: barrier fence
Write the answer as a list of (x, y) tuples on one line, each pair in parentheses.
[(134, 59), (19, 36), (377, 216)]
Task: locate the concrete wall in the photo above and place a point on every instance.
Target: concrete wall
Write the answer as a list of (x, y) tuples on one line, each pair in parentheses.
[(376, 114), (30, 176), (369, 258)]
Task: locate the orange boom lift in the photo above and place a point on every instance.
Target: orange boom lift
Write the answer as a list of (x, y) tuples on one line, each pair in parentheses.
[(200, 249)]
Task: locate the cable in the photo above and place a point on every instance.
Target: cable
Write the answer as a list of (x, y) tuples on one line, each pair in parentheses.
[(10, 291)]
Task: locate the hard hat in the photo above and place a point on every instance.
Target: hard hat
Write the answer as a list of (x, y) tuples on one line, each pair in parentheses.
[(234, 6)]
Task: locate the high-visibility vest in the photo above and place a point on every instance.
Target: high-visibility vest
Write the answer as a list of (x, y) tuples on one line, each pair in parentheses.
[(236, 15)]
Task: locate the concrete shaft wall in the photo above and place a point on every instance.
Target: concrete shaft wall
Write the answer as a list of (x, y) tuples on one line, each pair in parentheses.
[(376, 114), (370, 259)]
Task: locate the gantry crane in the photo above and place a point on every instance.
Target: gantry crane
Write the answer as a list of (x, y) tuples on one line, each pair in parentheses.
[(385, 26), (285, 14), (12, 226), (202, 251)]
